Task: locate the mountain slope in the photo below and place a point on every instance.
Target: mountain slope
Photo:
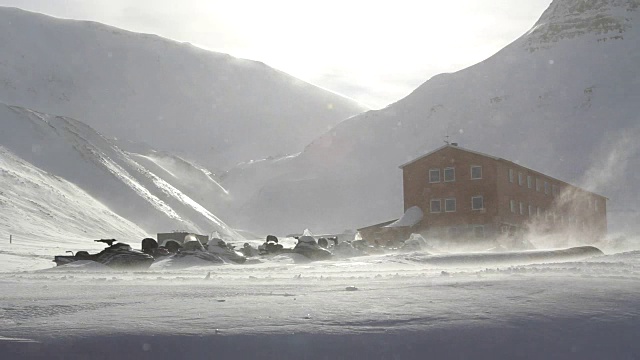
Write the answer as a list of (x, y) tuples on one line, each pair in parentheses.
[(35, 203), (562, 99), (152, 198), (46, 215), (207, 106)]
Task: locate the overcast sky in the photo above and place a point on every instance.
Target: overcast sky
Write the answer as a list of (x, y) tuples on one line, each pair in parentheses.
[(373, 51)]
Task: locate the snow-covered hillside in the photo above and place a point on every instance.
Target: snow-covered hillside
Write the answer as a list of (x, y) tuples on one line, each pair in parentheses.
[(45, 213), (155, 191), (207, 106), (561, 99)]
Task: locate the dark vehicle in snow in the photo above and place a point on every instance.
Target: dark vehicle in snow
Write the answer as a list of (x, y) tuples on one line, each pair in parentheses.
[(307, 246), (116, 255)]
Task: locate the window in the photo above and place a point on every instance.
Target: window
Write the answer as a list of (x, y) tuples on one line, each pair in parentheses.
[(546, 188), (529, 181), (434, 175), (538, 211), (477, 203), (520, 179), (595, 205), (521, 208), (450, 205), (510, 175), (538, 184), (589, 200), (554, 190), (435, 206), (530, 210), (449, 174), (478, 231), (512, 206), (476, 172)]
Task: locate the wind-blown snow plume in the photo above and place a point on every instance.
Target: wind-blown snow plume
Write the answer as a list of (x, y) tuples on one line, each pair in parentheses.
[(612, 162)]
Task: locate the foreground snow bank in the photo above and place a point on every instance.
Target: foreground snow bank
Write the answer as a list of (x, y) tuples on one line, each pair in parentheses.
[(587, 309)]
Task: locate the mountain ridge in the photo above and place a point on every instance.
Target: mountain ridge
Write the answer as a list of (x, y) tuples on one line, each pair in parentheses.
[(206, 106)]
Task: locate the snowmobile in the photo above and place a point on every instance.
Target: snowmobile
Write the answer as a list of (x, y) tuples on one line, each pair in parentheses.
[(119, 256), (308, 247), (227, 252), (216, 251), (249, 251), (271, 247), (150, 246)]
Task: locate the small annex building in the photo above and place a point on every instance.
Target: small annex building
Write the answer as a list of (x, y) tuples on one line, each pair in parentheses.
[(456, 193)]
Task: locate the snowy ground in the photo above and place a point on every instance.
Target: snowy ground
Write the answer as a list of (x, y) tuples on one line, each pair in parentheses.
[(402, 308)]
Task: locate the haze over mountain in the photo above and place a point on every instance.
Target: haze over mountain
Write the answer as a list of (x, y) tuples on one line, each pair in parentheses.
[(561, 99), (207, 106), (61, 179)]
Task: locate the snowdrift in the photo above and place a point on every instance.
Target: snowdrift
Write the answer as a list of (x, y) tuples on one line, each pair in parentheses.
[(512, 257)]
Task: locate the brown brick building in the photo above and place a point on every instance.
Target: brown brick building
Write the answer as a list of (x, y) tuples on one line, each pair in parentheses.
[(468, 195)]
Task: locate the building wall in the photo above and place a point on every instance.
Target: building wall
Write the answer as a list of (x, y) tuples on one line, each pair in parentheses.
[(418, 191), (555, 205), (510, 188), (379, 234)]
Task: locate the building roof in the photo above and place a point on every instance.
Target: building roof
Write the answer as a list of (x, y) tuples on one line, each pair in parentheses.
[(494, 158), (449, 146), (382, 224)]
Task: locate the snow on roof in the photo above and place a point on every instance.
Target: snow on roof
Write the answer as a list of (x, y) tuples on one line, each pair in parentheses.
[(447, 146), (412, 216)]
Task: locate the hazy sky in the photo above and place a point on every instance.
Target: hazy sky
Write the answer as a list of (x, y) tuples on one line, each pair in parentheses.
[(373, 51)]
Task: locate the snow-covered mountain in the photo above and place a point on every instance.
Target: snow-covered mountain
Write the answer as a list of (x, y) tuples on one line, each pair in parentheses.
[(43, 154), (561, 99), (34, 203), (207, 106)]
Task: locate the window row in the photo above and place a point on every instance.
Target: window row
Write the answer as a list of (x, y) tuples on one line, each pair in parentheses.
[(449, 174), (477, 203), (523, 209), (530, 210), (540, 185)]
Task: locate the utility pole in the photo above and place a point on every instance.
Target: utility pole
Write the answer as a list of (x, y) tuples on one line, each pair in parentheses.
[(10, 239)]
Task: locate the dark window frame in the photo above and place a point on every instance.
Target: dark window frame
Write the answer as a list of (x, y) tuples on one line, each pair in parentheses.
[(481, 200), (430, 177), (454, 205), (471, 172), (444, 174), (439, 201)]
